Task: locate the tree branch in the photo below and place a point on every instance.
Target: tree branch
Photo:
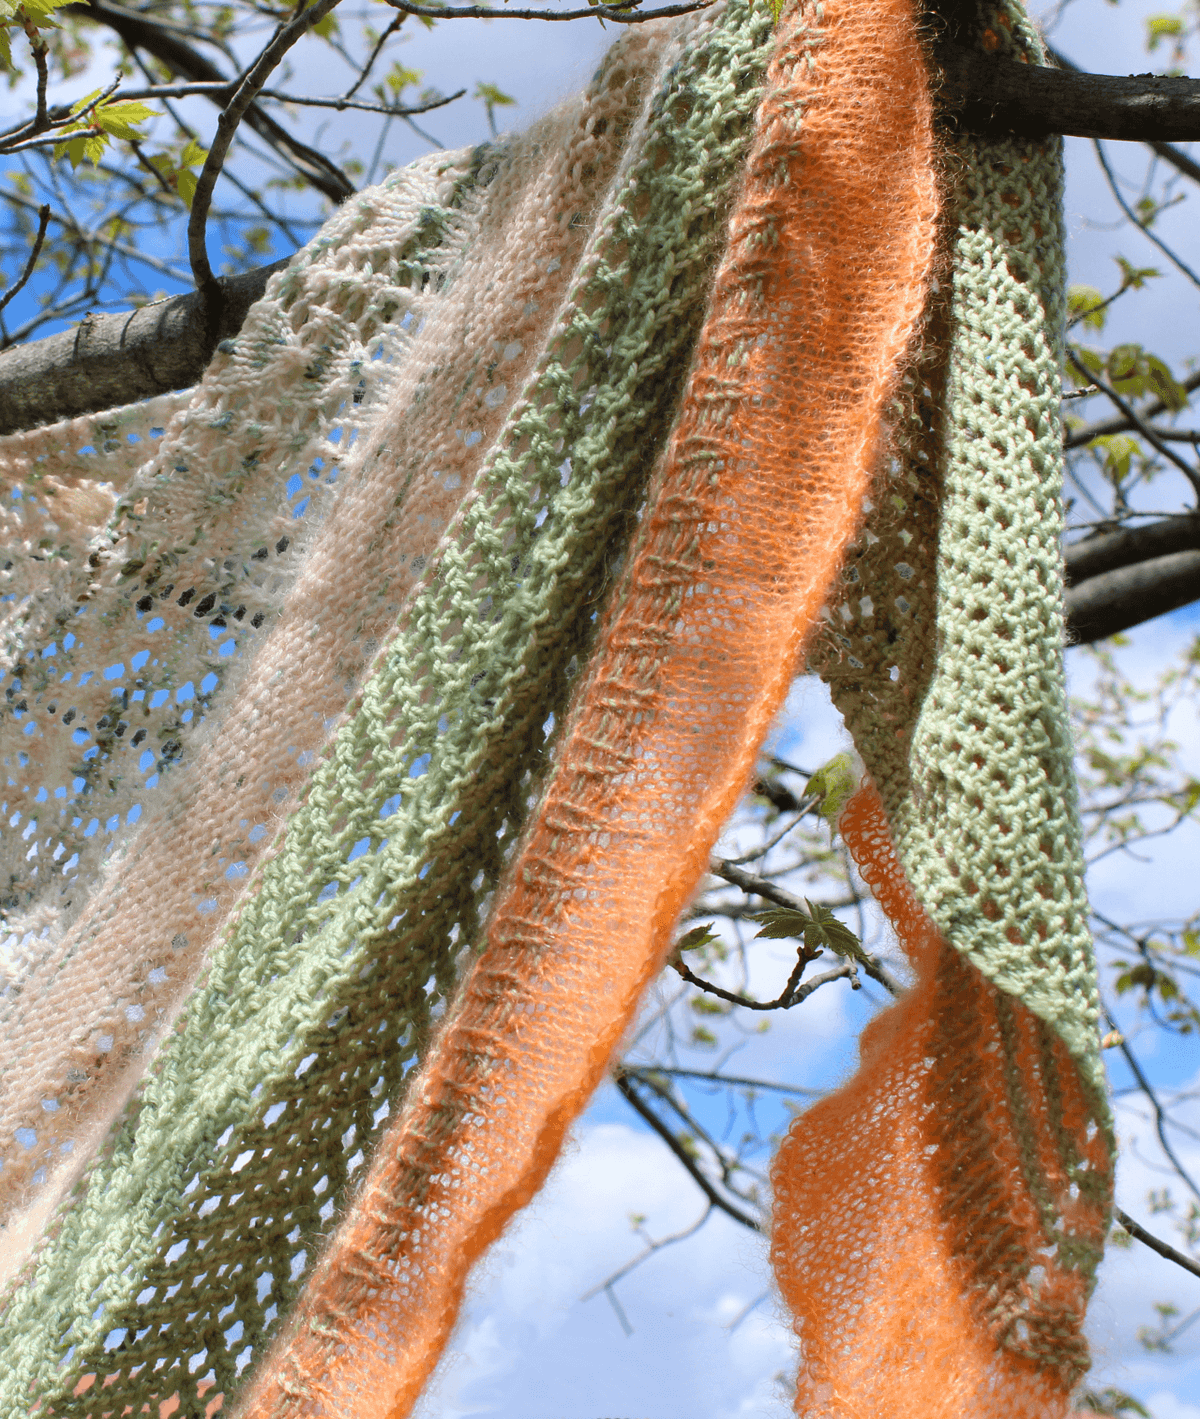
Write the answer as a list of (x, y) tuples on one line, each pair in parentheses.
[(1120, 424), (1136, 420), (1164, 1249), (1118, 600), (618, 14), (643, 1110), (985, 94), (39, 239), (1127, 546), (108, 360), (166, 43), (227, 122)]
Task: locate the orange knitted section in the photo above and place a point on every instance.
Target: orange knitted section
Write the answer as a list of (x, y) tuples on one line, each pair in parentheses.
[(813, 309), (928, 1215)]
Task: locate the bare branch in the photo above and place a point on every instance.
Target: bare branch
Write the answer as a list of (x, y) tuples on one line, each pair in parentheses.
[(618, 14), (365, 71), (222, 92), (1164, 1249), (167, 43), (43, 223), (1078, 437), (227, 122), (793, 993), (623, 1082), (1160, 1115), (1142, 226), (652, 1245), (1127, 409), (708, 1076)]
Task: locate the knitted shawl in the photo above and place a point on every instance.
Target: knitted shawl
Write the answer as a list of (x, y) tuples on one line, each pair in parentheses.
[(371, 711)]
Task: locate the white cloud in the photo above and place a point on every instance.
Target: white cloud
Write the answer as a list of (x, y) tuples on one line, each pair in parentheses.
[(528, 1345), (1164, 1405)]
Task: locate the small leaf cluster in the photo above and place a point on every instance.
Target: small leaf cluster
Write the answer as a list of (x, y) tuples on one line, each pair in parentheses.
[(31, 16), (96, 121)]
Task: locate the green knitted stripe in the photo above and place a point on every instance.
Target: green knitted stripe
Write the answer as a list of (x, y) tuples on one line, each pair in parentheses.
[(197, 1228), (991, 752)]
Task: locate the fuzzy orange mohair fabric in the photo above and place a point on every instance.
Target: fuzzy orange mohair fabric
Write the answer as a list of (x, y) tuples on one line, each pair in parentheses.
[(762, 485), (916, 1207)]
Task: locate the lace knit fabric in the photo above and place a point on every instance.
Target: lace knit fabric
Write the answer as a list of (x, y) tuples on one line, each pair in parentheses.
[(485, 499), (378, 703)]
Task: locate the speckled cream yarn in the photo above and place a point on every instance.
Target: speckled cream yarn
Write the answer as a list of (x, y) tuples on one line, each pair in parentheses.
[(226, 725)]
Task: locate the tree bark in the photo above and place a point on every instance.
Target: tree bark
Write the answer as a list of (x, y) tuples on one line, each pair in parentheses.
[(989, 95), (1115, 580), (1128, 596), (114, 359)]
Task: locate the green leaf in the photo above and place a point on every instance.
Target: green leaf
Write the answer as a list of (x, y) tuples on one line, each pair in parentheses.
[(1083, 304), (193, 155), (1118, 452), (492, 96), (818, 928), (1165, 385), (1133, 278), (399, 77), (121, 119), (41, 12), (836, 782), (1160, 27), (86, 147), (698, 937), (185, 185)]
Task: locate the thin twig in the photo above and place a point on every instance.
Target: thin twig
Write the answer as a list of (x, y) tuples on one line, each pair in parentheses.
[(648, 1251), (629, 1093), (1160, 1115), (1164, 1249), (1125, 207), (39, 48), (43, 223), (395, 24), (215, 89), (1079, 437), (794, 993), (710, 1077), (227, 122), (770, 892), (1190, 473), (621, 15)]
